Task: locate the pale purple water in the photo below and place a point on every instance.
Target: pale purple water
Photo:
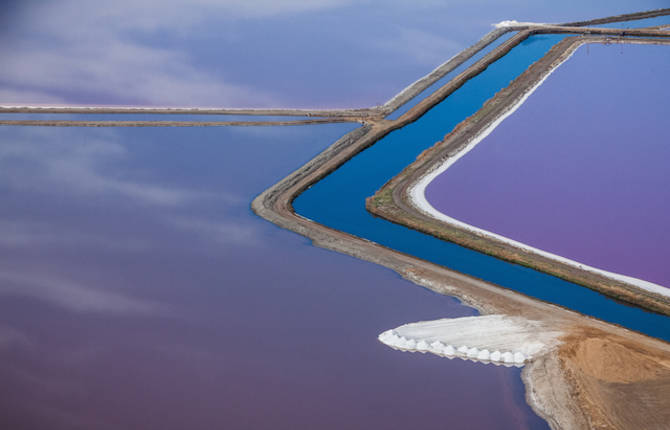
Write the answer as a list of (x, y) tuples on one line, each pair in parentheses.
[(580, 169), (124, 304), (319, 53), (138, 291)]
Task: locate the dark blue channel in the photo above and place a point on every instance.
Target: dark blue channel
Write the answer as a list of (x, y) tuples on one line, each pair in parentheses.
[(449, 76), (338, 201)]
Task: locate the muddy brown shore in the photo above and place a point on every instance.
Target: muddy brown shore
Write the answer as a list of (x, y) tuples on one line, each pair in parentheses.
[(574, 385)]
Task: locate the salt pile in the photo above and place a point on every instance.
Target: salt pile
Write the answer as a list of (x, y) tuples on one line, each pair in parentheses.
[(493, 339)]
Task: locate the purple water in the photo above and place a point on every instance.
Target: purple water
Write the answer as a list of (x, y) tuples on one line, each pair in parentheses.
[(580, 169), (137, 290), (321, 53)]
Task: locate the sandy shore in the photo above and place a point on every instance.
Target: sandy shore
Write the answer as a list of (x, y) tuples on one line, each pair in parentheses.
[(569, 382)]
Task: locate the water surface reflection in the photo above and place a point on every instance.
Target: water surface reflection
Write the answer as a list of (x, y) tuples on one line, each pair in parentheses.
[(137, 290), (594, 198)]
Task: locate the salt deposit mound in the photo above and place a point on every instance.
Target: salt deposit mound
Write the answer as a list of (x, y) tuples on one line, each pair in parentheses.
[(494, 339)]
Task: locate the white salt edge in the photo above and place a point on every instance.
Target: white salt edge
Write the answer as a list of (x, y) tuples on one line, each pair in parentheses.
[(417, 196), (483, 354), (515, 23)]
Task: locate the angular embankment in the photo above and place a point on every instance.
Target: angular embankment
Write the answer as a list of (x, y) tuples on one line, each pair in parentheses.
[(401, 199)]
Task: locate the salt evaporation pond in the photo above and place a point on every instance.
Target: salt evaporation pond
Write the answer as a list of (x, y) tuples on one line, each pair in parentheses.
[(580, 169), (338, 200), (138, 290)]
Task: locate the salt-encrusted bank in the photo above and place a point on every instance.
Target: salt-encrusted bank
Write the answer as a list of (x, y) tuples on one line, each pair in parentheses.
[(496, 339), (416, 193)]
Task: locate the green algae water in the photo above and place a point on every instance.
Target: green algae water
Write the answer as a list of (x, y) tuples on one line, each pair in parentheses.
[(338, 201)]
